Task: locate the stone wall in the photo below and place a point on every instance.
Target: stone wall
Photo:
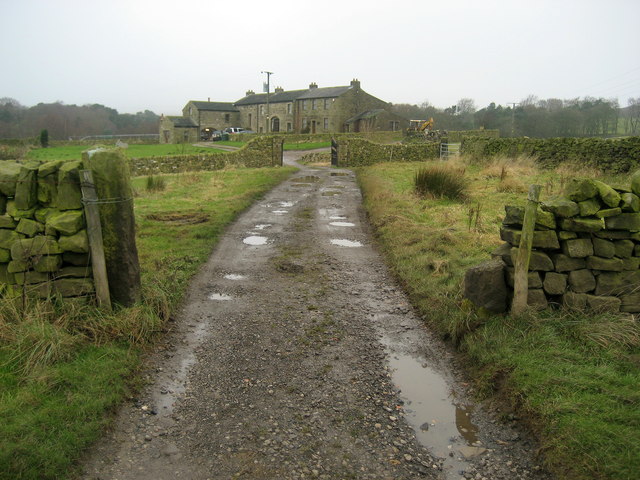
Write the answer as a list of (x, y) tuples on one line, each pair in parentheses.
[(586, 247), (43, 239), (263, 151), (356, 152)]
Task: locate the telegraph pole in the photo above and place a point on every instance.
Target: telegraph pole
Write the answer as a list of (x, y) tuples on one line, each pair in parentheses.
[(268, 83), (513, 119)]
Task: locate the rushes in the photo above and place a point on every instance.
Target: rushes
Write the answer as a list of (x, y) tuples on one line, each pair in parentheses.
[(441, 181)]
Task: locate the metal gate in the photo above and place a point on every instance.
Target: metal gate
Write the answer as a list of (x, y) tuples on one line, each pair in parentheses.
[(449, 150)]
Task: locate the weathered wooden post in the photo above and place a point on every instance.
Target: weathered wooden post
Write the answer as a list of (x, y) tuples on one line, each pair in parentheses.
[(94, 232), (110, 171), (521, 264)]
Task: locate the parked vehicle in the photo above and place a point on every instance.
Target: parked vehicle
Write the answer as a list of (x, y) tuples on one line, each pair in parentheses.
[(216, 136), (234, 130)]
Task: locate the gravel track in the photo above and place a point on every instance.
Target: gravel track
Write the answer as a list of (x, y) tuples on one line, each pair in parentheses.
[(280, 364)]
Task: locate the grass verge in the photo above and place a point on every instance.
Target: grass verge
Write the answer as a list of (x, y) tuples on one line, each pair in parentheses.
[(64, 367), (573, 378)]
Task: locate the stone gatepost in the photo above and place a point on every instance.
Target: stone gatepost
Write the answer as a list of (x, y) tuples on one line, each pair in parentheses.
[(110, 170)]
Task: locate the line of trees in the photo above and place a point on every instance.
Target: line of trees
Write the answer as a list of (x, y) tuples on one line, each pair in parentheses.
[(533, 117), (65, 121)]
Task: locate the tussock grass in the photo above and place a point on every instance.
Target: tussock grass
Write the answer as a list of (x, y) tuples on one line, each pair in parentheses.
[(572, 376), (441, 181), (155, 183)]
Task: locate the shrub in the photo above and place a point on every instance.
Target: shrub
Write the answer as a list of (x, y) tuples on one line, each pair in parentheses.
[(44, 138), (439, 181)]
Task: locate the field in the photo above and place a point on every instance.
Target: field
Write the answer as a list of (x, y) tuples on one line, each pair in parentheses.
[(71, 152), (63, 368), (572, 378)]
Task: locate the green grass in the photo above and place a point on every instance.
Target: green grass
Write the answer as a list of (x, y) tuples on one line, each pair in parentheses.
[(72, 152), (306, 145), (573, 378), (65, 367)]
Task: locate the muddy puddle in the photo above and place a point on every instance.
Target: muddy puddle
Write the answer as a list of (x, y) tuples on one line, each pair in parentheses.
[(307, 179), (255, 240), (280, 212), (222, 297), (330, 193), (342, 224), (262, 226), (339, 174), (234, 276), (441, 421), (341, 242)]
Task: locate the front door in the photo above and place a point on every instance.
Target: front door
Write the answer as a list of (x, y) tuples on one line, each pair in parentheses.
[(275, 124), (313, 126)]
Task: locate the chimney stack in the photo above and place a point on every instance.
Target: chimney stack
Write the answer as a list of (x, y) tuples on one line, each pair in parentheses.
[(313, 85), (249, 92), (279, 90), (355, 83)]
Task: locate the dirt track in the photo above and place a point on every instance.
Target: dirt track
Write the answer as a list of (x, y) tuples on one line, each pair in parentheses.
[(287, 358)]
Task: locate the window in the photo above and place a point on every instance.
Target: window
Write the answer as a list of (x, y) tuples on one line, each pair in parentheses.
[(313, 104), (226, 117), (326, 123), (249, 120), (190, 111), (289, 126), (304, 104), (395, 126), (261, 109), (326, 103), (288, 108), (304, 123)]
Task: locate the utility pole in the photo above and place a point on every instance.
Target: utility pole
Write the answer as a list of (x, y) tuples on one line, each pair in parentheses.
[(513, 119), (268, 83)]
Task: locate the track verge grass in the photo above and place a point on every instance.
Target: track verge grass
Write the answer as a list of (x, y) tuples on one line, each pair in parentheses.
[(65, 366), (573, 378)]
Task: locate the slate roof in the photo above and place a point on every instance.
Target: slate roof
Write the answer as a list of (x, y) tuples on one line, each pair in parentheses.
[(367, 114), (214, 106), (280, 97), (325, 92), (183, 122)]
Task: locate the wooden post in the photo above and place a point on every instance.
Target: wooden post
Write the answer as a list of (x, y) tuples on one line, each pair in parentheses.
[(521, 264), (94, 231)]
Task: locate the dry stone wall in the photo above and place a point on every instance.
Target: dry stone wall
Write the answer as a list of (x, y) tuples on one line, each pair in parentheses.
[(264, 151), (356, 152), (44, 248), (586, 247)]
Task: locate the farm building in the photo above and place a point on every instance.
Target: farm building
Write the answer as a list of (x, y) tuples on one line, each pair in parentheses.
[(312, 110)]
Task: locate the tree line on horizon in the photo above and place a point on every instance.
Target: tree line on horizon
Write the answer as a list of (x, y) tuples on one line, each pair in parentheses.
[(70, 121), (534, 117), (531, 117)]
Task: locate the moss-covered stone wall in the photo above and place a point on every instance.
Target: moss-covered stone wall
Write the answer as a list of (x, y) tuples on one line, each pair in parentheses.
[(356, 152), (586, 247), (44, 248), (262, 151), (609, 155)]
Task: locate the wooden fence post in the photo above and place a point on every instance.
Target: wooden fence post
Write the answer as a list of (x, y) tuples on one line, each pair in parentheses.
[(94, 232), (521, 264)]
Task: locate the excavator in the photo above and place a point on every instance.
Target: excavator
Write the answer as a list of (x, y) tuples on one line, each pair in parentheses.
[(424, 128)]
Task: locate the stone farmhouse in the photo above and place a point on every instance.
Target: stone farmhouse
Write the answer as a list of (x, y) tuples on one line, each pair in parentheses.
[(312, 110)]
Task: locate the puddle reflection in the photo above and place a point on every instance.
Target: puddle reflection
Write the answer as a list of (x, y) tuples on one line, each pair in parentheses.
[(255, 240), (341, 242)]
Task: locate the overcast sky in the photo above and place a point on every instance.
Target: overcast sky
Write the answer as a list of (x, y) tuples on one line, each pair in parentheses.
[(134, 55)]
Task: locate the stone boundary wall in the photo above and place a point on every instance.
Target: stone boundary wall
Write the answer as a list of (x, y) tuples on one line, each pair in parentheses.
[(356, 152), (265, 151), (44, 248), (610, 155), (380, 137), (586, 248)]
